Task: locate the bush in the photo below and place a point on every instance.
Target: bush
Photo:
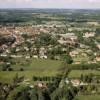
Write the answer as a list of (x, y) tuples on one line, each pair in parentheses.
[(21, 69), (10, 69)]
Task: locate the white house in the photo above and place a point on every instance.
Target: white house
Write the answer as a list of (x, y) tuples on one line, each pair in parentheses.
[(75, 82), (89, 34)]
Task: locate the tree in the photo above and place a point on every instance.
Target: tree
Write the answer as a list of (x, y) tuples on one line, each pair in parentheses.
[(25, 36), (45, 39), (15, 79), (21, 69), (5, 67), (98, 30), (68, 59), (13, 50)]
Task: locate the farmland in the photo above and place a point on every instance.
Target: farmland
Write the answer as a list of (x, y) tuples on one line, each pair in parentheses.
[(78, 73), (36, 68), (88, 97)]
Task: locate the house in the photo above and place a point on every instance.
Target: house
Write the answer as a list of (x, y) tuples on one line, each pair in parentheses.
[(26, 48), (69, 35), (43, 57), (31, 86), (89, 34), (84, 54), (3, 55), (77, 62), (7, 51), (67, 81), (73, 53), (42, 53), (35, 56), (64, 49), (83, 46), (27, 57), (83, 84), (98, 45), (75, 82), (97, 58), (42, 85), (4, 46), (16, 56), (17, 49), (93, 23)]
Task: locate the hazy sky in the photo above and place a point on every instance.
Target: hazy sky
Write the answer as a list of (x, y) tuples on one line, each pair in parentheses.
[(93, 4)]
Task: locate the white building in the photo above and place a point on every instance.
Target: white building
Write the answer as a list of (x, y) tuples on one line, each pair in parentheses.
[(89, 34)]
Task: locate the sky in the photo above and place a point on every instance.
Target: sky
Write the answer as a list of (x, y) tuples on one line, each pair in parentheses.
[(73, 4)]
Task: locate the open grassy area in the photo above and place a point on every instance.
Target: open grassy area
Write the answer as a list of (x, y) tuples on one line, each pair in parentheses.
[(77, 73), (8, 76), (36, 67), (87, 97), (81, 58), (36, 64)]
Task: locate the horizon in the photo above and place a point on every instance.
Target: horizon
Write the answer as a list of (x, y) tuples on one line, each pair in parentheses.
[(49, 8), (50, 4)]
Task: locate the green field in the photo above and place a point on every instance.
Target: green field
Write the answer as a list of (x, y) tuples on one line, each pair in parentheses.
[(77, 73), (87, 97), (8, 76), (36, 64), (80, 58), (37, 67)]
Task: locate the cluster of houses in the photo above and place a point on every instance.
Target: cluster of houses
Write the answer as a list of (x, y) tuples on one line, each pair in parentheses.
[(75, 82), (41, 85), (63, 39), (31, 29), (89, 34), (84, 53), (68, 38)]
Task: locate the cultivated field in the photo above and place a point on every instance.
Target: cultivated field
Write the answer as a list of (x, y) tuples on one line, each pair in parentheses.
[(77, 73), (87, 97)]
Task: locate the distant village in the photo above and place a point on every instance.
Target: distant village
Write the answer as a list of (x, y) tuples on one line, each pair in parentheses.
[(13, 36)]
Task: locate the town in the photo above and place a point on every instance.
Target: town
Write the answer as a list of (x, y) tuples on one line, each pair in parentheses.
[(49, 55)]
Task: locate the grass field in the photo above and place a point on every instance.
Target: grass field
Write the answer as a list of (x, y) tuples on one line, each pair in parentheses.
[(8, 76), (36, 64), (80, 58), (87, 97), (36, 67), (77, 73)]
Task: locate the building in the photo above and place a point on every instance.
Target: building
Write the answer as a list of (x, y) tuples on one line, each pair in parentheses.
[(75, 82), (89, 34)]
